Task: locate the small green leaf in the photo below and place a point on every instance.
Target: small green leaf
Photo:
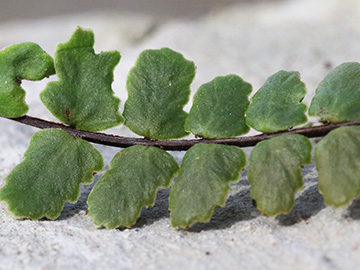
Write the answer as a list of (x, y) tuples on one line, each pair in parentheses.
[(54, 166), (203, 182), (17, 62), (275, 174), (277, 106), (337, 158), (219, 107), (337, 97), (159, 87), (83, 97), (134, 176)]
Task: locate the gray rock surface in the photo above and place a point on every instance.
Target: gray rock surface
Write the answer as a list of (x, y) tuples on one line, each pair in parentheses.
[(253, 41)]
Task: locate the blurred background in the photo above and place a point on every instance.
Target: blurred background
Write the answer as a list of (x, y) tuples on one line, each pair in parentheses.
[(161, 9)]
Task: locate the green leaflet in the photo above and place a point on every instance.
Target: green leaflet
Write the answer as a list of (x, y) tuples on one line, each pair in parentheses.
[(277, 106), (337, 97), (337, 158), (83, 97), (54, 166), (134, 176), (21, 61), (158, 87), (275, 174), (203, 182), (219, 107)]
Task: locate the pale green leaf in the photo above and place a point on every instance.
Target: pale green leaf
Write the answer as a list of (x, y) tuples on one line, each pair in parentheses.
[(203, 182), (219, 107), (83, 97), (337, 158), (277, 106), (54, 166), (158, 87), (337, 97), (134, 176), (17, 62), (275, 174)]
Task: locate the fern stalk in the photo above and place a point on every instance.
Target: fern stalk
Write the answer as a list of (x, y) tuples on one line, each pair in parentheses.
[(177, 145)]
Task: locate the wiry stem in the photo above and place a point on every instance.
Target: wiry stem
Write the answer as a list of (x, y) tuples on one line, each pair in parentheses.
[(177, 145)]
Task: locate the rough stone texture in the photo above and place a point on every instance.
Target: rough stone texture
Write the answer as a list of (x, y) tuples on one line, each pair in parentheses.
[(253, 41)]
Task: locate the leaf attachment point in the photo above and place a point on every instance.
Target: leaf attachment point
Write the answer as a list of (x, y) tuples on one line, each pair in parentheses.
[(158, 87), (203, 182), (134, 176), (337, 97), (219, 107), (337, 158), (17, 62), (83, 98), (277, 106), (275, 174), (54, 166)]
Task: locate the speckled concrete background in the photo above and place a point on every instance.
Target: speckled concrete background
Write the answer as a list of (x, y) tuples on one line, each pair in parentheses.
[(253, 41)]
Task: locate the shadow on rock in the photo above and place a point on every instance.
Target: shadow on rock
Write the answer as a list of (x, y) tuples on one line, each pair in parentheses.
[(353, 210), (71, 209), (239, 207), (307, 204), (158, 211)]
